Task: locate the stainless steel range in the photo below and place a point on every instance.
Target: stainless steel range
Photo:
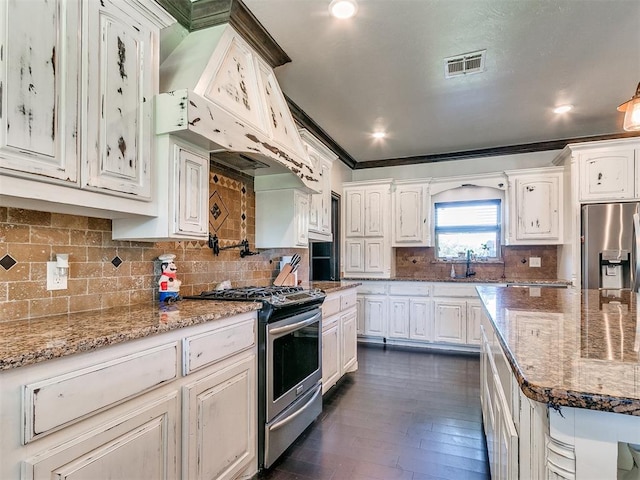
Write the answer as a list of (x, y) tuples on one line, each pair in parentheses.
[(289, 362)]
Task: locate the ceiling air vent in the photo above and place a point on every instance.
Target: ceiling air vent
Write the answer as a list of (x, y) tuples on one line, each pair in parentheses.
[(464, 64)]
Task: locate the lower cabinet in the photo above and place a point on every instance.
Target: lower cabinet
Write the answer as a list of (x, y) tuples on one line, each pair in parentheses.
[(442, 315), (339, 336), (137, 410)]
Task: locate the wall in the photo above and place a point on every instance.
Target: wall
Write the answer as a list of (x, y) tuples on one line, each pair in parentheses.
[(420, 262), (459, 167), (32, 238)]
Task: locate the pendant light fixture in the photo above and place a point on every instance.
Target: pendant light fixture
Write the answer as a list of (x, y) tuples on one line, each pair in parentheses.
[(632, 112), (343, 9)]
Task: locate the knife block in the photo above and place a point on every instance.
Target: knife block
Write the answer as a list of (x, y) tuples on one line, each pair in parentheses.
[(291, 280)]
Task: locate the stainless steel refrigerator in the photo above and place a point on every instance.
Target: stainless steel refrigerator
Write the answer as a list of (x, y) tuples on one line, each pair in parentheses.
[(610, 245)]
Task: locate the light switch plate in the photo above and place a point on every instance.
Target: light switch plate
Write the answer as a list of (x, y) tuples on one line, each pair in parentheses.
[(535, 262), (54, 280)]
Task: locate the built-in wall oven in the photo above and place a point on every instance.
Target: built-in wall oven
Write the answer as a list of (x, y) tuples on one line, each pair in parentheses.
[(289, 363)]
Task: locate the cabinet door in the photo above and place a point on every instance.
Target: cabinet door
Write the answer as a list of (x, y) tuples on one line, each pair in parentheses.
[(138, 444), (220, 421), (330, 357), (506, 440), (538, 208), (409, 215), (450, 321), (39, 76), (374, 315), (360, 313), (191, 175), (375, 209), (301, 215), (421, 319), (349, 342), (354, 213), (325, 205), (374, 255), (474, 317), (354, 256), (607, 175), (118, 132), (398, 317)]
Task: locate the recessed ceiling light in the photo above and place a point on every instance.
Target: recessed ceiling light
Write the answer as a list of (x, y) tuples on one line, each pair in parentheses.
[(563, 109), (378, 135), (343, 8)]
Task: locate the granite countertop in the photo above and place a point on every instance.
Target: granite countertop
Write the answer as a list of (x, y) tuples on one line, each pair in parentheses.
[(26, 342), (568, 347), (330, 287), (507, 281)]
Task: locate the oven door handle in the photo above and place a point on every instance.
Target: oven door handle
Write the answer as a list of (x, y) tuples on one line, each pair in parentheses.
[(290, 418), (294, 326)]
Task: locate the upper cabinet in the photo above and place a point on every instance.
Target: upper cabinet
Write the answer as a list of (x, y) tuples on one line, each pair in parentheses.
[(367, 227), (608, 174), (320, 204), (77, 91), (410, 204), (535, 206)]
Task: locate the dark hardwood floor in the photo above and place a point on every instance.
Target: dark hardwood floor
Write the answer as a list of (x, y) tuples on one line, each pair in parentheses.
[(405, 414)]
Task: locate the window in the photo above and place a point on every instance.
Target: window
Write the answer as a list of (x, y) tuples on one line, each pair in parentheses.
[(468, 226)]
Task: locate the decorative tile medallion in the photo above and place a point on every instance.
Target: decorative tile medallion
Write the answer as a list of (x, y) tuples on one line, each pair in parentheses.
[(117, 261), (218, 211)]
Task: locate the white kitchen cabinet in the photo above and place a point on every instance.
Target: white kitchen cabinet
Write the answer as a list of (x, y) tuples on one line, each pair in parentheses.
[(607, 174), (421, 319), (330, 353), (535, 206), (398, 317), (320, 204), (220, 428), (40, 78), (282, 218), (126, 411), (62, 151), (474, 316), (375, 313), (118, 50), (367, 243), (339, 336), (183, 174), (450, 321), (410, 207), (360, 315)]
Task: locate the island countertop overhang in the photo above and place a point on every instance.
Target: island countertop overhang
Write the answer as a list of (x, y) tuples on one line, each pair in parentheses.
[(568, 347)]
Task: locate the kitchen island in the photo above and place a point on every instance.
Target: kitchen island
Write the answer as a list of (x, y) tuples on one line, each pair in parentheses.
[(560, 381)]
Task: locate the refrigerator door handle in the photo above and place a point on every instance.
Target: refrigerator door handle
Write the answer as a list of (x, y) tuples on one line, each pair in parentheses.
[(635, 250)]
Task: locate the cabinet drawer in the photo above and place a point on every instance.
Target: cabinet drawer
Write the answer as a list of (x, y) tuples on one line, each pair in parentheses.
[(448, 290), (348, 300), (60, 400), (418, 289), (331, 305), (374, 288), (201, 350), (329, 322)]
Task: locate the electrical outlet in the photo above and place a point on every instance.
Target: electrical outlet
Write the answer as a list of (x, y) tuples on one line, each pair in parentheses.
[(55, 281), (535, 262)]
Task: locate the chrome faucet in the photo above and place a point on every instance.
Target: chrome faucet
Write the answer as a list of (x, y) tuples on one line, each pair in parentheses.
[(469, 272)]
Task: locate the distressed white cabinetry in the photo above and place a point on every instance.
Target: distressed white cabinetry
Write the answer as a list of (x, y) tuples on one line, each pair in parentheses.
[(398, 317), (180, 404), (535, 208), (450, 317), (367, 227), (183, 176), (282, 218), (411, 207), (375, 314), (320, 204), (77, 93), (339, 336), (607, 170), (40, 79)]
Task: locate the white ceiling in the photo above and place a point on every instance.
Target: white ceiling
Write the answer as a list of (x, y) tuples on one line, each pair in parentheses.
[(384, 69)]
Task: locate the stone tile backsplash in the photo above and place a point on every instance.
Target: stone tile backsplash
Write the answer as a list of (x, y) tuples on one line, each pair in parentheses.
[(32, 238)]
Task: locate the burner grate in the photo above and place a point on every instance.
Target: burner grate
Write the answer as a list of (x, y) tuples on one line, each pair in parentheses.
[(249, 293)]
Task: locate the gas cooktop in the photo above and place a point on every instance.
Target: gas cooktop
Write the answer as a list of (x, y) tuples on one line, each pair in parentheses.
[(279, 296)]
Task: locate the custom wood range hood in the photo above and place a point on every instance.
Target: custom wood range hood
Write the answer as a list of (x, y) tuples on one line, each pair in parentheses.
[(222, 95)]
